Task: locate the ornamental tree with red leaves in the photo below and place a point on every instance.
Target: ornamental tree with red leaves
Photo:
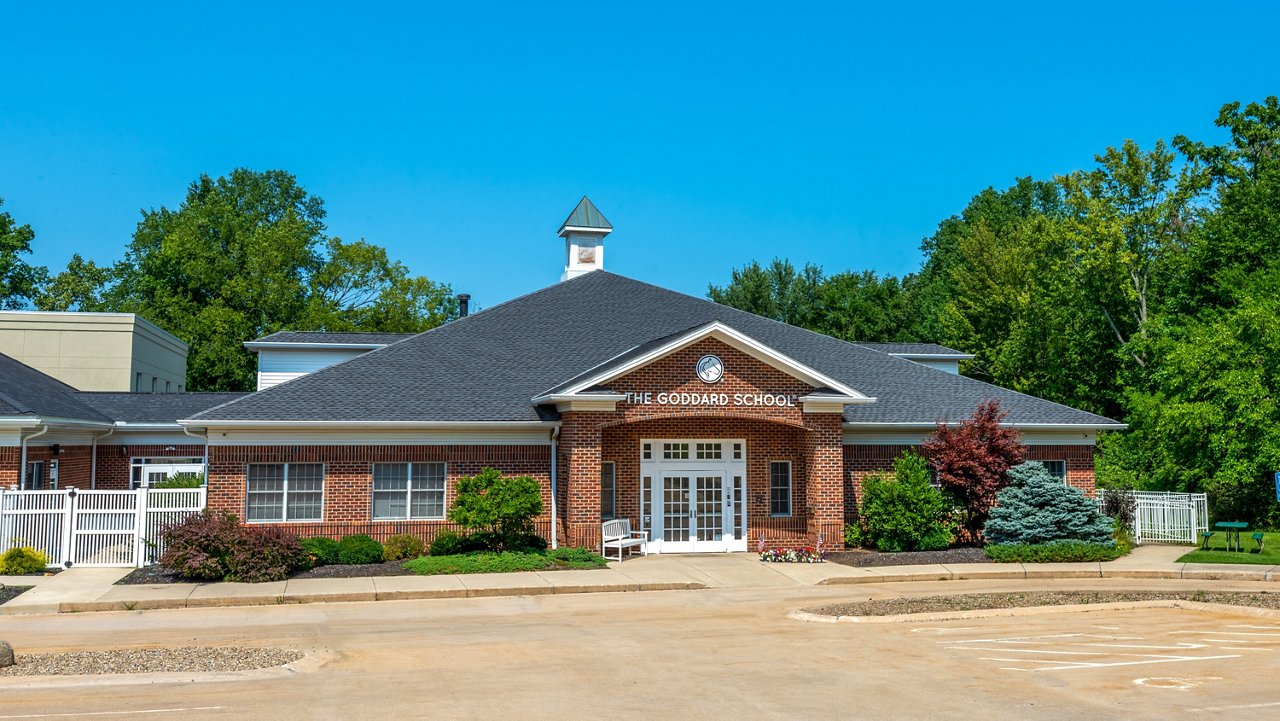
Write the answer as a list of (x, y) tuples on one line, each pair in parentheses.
[(972, 460)]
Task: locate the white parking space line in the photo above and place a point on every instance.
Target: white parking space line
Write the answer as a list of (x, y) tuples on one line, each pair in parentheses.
[(1070, 651), (116, 713)]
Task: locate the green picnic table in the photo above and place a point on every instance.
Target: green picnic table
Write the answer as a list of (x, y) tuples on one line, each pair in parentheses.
[(1232, 530)]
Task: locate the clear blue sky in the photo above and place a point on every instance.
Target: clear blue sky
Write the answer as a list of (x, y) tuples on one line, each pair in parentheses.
[(710, 134)]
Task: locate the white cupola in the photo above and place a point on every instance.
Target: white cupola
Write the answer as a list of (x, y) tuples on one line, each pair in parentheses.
[(583, 232)]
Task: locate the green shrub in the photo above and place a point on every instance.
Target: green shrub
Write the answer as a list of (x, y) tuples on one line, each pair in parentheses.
[(452, 543), (503, 506), (403, 546), (180, 480), (21, 560), (358, 549), (577, 558), (1054, 552), (266, 553), (323, 551), (903, 512), (1038, 508), (855, 536)]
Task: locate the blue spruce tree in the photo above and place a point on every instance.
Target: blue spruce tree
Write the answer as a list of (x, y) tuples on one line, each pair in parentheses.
[(1037, 508)]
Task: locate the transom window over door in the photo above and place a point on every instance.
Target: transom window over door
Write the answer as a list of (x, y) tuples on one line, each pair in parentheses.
[(284, 492), (408, 491)]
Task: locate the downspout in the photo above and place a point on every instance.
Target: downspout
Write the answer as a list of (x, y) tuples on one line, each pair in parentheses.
[(204, 460), (22, 470), (93, 458), (555, 435)]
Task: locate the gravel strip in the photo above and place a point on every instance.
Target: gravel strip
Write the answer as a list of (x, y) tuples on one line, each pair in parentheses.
[(869, 559), (981, 601), (387, 568), (147, 660), (8, 593)]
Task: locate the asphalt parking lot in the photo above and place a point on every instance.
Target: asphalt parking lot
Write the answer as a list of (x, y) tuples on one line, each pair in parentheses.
[(686, 654)]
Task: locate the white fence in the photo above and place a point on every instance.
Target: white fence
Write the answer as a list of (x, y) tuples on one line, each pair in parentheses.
[(1161, 517), (94, 528)]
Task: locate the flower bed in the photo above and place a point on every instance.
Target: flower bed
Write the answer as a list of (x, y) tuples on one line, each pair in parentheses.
[(792, 555)]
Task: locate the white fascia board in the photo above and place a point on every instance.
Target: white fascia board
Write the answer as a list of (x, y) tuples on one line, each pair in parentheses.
[(933, 356), (1029, 426), (147, 426), (199, 423), (583, 229), (843, 400), (570, 397), (54, 422), (285, 345), (735, 339)]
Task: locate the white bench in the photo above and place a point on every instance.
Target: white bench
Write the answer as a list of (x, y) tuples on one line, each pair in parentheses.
[(618, 534)]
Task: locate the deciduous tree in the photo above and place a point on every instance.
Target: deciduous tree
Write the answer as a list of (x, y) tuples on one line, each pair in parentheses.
[(972, 460)]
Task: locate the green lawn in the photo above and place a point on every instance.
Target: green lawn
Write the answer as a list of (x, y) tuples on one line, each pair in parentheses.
[(1217, 552), (559, 559)]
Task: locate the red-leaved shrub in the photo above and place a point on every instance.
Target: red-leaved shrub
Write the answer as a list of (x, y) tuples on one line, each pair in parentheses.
[(213, 546), (972, 460)]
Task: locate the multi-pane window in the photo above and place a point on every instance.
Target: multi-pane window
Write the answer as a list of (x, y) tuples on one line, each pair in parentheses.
[(608, 490), (1057, 469), (408, 491), (646, 451), (708, 451), (737, 451), (284, 492), (675, 451), (780, 488)]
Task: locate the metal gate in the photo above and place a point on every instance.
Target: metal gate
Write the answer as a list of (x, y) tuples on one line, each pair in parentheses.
[(94, 528), (1162, 517)]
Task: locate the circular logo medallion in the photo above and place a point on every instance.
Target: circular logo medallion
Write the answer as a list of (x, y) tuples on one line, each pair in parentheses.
[(710, 369)]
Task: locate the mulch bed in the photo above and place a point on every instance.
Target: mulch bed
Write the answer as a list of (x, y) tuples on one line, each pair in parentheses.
[(159, 574), (1026, 599), (8, 593), (145, 660), (864, 558), (387, 568)]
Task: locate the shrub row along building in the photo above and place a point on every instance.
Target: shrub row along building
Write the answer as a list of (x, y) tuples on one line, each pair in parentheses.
[(706, 426)]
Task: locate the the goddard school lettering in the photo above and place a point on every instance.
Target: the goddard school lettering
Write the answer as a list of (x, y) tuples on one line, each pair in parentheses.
[(777, 400)]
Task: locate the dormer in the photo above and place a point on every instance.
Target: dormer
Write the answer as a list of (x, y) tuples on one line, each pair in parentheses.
[(583, 232)]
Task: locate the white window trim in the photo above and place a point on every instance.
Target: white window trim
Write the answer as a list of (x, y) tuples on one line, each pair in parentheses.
[(613, 512), (791, 482), (284, 503), (408, 493)]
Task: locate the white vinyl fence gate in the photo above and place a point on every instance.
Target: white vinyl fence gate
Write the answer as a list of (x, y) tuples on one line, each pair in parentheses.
[(94, 528), (1161, 517)]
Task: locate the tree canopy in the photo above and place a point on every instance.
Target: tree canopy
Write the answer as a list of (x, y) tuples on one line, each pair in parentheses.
[(245, 255), (1142, 288)]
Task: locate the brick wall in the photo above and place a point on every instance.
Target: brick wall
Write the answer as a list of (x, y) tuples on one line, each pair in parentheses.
[(348, 474), (811, 442), (73, 463), (114, 472), (860, 461), (10, 461)]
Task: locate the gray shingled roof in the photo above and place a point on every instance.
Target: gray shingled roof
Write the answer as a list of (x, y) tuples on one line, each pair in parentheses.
[(487, 366), (25, 391), (920, 349), (152, 407), (308, 336)]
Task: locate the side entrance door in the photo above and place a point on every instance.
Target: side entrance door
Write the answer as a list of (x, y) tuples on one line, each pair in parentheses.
[(697, 511)]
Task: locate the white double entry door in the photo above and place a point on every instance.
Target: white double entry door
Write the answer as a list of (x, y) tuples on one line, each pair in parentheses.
[(693, 494)]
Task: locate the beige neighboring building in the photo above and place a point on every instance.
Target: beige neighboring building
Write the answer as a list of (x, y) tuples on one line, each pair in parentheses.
[(96, 351)]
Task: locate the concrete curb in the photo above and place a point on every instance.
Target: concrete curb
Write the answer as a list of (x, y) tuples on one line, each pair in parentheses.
[(402, 595), (809, 617)]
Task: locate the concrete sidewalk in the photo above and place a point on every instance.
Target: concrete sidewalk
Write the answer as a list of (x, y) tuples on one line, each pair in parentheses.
[(92, 589)]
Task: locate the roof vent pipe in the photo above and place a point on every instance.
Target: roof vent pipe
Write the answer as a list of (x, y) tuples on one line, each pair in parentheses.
[(464, 304)]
